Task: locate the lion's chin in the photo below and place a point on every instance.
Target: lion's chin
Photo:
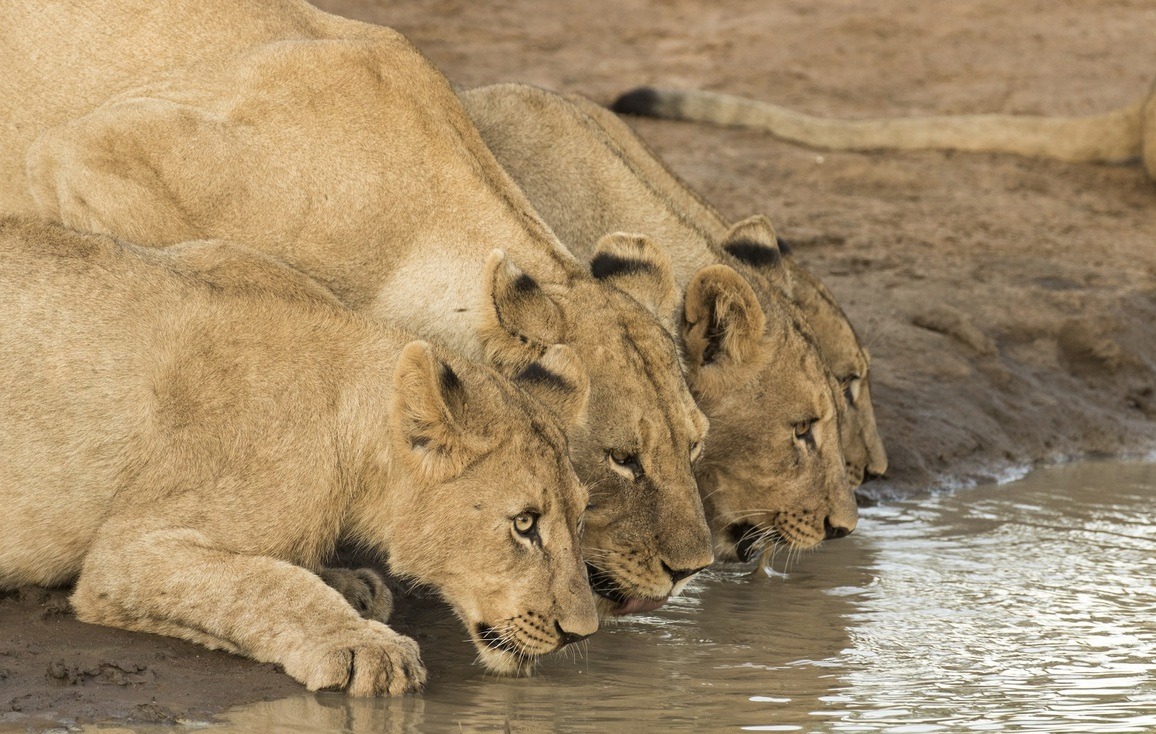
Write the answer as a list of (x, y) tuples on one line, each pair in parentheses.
[(503, 662)]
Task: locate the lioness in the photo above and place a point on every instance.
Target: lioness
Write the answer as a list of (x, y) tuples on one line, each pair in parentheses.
[(1115, 136), (337, 147), (774, 460), (188, 432), (567, 184), (751, 242)]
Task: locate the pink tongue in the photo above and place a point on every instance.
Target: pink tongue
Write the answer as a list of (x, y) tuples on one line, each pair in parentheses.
[(636, 605)]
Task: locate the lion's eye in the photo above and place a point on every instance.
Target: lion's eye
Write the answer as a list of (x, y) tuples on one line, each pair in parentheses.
[(526, 524), (803, 430), (627, 460), (848, 383)]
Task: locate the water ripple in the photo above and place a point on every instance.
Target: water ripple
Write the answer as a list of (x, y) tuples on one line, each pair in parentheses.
[(1028, 606)]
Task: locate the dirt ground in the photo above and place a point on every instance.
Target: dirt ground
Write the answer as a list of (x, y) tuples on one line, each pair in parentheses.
[(1009, 303)]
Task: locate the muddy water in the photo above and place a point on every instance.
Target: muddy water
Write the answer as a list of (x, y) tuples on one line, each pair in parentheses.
[(1028, 606)]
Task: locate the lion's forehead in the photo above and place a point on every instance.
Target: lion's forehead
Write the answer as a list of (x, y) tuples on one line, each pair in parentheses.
[(797, 379), (846, 359), (638, 374), (839, 344), (559, 502), (538, 453)]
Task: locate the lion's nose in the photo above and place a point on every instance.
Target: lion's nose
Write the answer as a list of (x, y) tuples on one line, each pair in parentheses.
[(835, 531), (677, 575), (567, 638), (869, 475)]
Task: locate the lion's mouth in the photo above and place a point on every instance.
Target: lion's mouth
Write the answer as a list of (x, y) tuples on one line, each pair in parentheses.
[(606, 587), (502, 655), (494, 640), (751, 540)]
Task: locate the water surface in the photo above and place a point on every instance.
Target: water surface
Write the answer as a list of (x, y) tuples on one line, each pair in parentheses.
[(1022, 607)]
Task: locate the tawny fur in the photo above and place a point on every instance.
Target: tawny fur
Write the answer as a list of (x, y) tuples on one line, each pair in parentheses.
[(1115, 136), (189, 432), (753, 364), (335, 146), (833, 332)]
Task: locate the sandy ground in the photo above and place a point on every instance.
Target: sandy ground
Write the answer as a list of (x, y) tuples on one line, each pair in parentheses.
[(1009, 303)]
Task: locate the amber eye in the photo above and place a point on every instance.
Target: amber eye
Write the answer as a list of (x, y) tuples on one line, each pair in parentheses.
[(526, 524), (695, 449), (627, 460), (803, 430), (848, 394)]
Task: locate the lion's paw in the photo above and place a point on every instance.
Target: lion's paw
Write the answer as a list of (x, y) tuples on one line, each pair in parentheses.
[(363, 588), (370, 661)]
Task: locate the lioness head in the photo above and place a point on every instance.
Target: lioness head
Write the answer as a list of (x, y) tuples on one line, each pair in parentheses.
[(774, 468), (492, 517), (645, 532), (752, 247)]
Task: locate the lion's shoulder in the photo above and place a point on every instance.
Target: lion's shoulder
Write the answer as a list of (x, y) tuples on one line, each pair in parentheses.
[(238, 270)]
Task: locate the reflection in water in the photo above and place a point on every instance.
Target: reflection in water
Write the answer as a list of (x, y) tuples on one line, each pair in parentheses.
[(1029, 606)]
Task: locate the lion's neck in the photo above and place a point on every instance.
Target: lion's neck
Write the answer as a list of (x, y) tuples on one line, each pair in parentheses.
[(568, 183), (438, 291), (382, 488)]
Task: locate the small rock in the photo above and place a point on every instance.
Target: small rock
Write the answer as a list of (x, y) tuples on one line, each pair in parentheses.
[(957, 325)]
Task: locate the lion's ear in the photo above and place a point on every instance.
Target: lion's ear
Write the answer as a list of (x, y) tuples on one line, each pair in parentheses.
[(753, 244), (560, 382), (427, 414), (722, 327), (634, 264), (519, 318)]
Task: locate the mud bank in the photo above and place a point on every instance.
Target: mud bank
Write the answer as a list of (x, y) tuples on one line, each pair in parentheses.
[(1009, 303)]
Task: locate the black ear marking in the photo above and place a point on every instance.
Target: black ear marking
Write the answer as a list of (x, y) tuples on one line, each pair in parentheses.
[(525, 284), (784, 246), (713, 348), (754, 254), (607, 265), (449, 380), (539, 375)]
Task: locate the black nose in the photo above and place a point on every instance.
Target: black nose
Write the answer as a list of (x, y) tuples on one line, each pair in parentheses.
[(834, 531), (567, 637), (680, 574)]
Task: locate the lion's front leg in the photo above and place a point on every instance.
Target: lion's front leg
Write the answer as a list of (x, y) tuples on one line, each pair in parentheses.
[(363, 588), (174, 581)]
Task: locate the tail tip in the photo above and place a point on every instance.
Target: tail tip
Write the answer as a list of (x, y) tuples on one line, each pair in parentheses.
[(640, 101)]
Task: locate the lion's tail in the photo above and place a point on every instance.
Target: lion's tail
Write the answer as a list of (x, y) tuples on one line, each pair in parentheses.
[(1109, 137)]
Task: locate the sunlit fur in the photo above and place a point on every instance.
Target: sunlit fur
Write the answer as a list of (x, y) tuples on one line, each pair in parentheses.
[(190, 431), (567, 178), (335, 146), (754, 361)]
